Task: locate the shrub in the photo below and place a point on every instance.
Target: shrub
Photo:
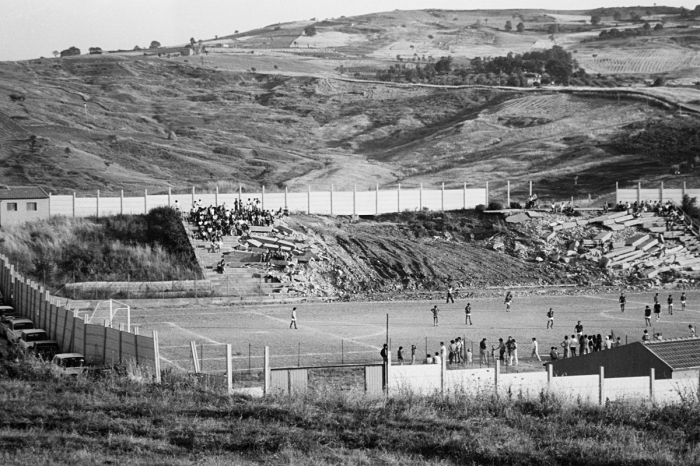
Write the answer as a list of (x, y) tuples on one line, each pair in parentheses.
[(495, 205), (480, 208), (310, 30), (515, 205)]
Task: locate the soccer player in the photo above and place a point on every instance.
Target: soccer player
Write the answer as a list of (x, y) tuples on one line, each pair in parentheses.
[(670, 304), (450, 296), (435, 312), (657, 310), (294, 319), (550, 318), (468, 314), (579, 329), (683, 301), (508, 301), (535, 346), (647, 317), (623, 300)]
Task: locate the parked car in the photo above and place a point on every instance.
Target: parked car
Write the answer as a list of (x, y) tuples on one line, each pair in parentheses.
[(4, 323), (70, 363), (45, 349), (27, 338), (7, 311), (14, 328)]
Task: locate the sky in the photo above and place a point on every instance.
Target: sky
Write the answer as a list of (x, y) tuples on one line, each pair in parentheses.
[(35, 28)]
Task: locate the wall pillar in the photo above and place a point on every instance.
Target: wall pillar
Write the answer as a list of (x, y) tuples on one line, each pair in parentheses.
[(639, 192), (442, 199), (216, 196), (530, 187), (145, 201), (286, 206), (398, 199), (73, 204), (354, 200), (170, 194), (97, 205), (376, 202), (683, 189), (331, 200), (661, 192), (262, 200), (617, 192), (192, 195), (308, 201), (496, 376), (464, 196), (601, 385), (121, 202), (652, 383), (486, 201), (266, 371), (229, 370), (420, 198), (508, 196)]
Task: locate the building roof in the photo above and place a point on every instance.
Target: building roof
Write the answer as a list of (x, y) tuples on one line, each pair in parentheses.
[(22, 192), (679, 353)]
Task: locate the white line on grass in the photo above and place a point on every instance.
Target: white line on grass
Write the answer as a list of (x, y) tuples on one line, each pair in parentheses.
[(322, 332), (174, 363), (193, 333)]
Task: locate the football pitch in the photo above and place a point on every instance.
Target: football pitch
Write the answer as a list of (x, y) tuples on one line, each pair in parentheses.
[(334, 333)]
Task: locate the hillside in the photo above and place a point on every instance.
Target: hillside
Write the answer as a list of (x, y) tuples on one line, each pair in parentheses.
[(276, 107)]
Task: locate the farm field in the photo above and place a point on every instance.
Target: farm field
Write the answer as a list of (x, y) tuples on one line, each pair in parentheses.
[(639, 61), (331, 333)]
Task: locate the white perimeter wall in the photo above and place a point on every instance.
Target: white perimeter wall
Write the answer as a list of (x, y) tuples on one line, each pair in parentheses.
[(316, 202), (655, 194), (429, 379)]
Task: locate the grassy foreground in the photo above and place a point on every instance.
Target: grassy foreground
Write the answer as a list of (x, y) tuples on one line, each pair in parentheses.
[(45, 419)]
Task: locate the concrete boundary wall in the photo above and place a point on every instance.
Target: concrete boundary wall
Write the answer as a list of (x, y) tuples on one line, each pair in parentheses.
[(371, 202), (99, 344), (428, 379), (657, 193)]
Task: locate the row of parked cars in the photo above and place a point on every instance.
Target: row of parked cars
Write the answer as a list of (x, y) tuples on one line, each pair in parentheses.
[(21, 332)]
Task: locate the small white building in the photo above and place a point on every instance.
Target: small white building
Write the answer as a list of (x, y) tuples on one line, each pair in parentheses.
[(22, 204)]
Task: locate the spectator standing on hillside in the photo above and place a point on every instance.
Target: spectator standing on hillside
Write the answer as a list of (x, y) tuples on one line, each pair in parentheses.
[(656, 298), (508, 301), (618, 342), (670, 304), (399, 355), (647, 316), (468, 314), (501, 350), (692, 330), (579, 329), (657, 310), (535, 347), (550, 318), (623, 300), (435, 312), (384, 353), (294, 319), (450, 295), (565, 344), (683, 301), (443, 351), (413, 354)]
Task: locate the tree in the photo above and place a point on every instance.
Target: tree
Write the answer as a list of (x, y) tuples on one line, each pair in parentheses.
[(634, 16), (310, 30), (56, 53), (95, 51), (658, 27), (155, 44), (192, 41), (69, 52), (617, 16), (659, 82), (509, 26), (595, 20), (646, 26), (520, 27), (444, 65)]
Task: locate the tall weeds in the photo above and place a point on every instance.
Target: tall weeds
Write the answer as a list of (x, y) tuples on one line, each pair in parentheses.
[(62, 250)]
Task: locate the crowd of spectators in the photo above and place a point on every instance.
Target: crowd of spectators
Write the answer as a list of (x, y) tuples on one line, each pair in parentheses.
[(215, 222)]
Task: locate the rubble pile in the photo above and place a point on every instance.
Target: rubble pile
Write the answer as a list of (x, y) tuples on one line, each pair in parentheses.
[(612, 247)]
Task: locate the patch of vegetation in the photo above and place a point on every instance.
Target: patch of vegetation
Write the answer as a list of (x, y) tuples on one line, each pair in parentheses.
[(149, 247), (670, 141), (464, 225), (113, 420)]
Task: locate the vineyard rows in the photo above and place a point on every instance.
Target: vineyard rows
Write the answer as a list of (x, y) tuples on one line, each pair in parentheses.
[(641, 61)]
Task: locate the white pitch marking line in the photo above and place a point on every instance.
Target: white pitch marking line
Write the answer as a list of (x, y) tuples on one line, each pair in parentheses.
[(193, 333), (174, 363), (321, 332)]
